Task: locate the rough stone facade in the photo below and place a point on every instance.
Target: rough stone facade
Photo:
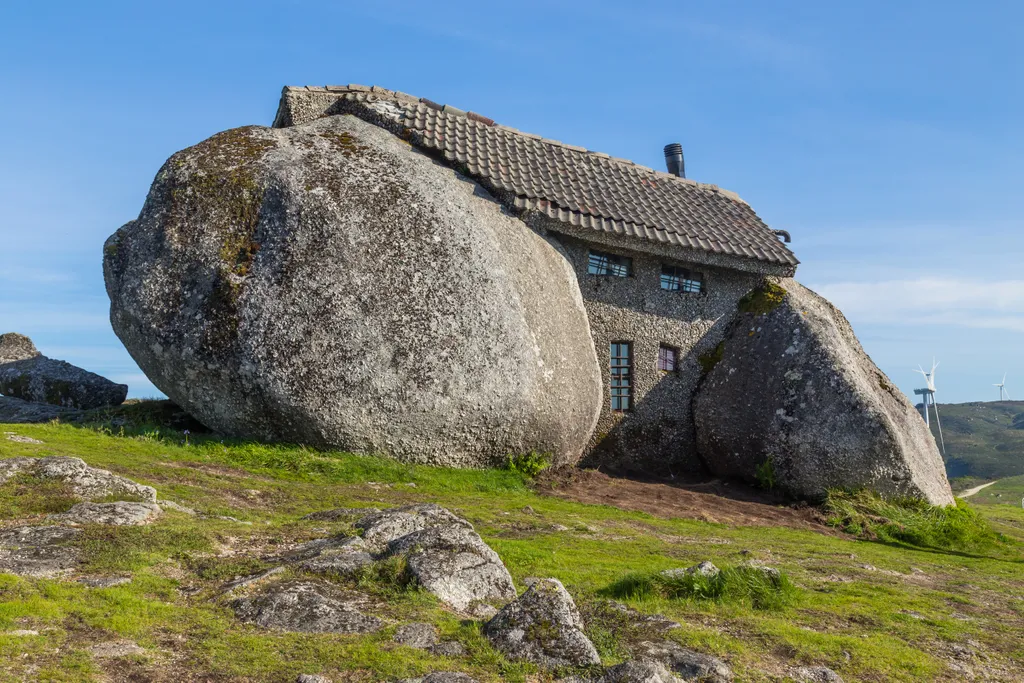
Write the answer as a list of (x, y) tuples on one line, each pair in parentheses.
[(657, 436)]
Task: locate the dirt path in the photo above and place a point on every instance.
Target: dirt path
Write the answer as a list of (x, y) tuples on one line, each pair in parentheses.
[(971, 492), (709, 501)]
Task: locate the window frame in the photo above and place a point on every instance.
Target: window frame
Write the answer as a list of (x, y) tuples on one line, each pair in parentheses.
[(612, 261), (683, 278), (674, 350), (620, 385)]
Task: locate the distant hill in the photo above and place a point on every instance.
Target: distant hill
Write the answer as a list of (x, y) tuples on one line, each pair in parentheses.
[(984, 440)]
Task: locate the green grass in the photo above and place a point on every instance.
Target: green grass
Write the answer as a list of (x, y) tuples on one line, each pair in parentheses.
[(744, 585), (873, 609), (914, 522)]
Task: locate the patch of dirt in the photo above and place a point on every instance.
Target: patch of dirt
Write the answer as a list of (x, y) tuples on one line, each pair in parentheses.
[(708, 501)]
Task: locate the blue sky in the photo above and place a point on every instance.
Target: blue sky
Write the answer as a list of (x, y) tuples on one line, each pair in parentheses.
[(886, 137)]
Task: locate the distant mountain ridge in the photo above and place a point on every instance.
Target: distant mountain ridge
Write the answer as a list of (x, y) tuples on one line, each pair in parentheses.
[(983, 439)]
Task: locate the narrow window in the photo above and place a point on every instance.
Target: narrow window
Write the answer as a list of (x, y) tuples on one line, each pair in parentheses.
[(667, 357), (602, 263), (622, 376), (676, 279)]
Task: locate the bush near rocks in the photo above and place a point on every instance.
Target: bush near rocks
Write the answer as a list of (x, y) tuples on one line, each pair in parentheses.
[(764, 588)]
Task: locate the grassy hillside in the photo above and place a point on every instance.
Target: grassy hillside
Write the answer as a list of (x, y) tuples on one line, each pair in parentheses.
[(873, 610), (983, 440)]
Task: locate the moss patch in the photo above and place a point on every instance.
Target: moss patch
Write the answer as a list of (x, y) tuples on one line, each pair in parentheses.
[(710, 359), (763, 299)]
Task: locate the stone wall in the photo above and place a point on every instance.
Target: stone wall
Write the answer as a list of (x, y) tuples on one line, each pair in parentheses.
[(658, 435)]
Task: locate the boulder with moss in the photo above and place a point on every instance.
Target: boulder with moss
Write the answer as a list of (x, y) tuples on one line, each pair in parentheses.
[(30, 376), (795, 404), (329, 285)]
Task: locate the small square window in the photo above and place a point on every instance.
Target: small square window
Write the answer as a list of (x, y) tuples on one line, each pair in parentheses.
[(676, 279), (602, 263), (668, 357)]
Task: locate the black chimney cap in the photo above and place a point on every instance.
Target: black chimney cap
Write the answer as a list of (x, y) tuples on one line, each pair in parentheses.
[(674, 159)]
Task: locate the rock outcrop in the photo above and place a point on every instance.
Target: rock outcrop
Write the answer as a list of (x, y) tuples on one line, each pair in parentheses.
[(39, 551), (118, 513), (30, 376), (543, 626), (329, 285), (308, 607), (87, 483), (795, 403)]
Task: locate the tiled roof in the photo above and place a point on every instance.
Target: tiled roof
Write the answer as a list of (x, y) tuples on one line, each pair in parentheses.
[(571, 184)]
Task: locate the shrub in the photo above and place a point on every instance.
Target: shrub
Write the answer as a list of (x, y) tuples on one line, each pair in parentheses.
[(529, 465), (765, 475), (911, 521)]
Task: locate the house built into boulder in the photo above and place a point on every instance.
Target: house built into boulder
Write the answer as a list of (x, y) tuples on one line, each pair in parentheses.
[(662, 261)]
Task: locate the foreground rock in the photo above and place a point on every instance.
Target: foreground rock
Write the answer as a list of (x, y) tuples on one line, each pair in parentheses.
[(795, 398), (642, 671), (308, 607), (815, 674), (443, 553), (686, 664), (38, 551), (31, 376), (88, 483), (120, 513), (250, 291), (543, 626)]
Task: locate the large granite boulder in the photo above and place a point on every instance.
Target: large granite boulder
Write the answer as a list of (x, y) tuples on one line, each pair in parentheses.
[(795, 403), (30, 376), (329, 285)]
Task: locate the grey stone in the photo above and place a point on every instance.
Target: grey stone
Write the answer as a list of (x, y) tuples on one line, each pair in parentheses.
[(312, 678), (815, 674), (686, 664), (650, 621), (329, 285), (251, 579), (18, 411), (639, 671), (38, 551), (442, 677), (454, 564), (542, 626), (104, 581), (306, 607), (338, 562), (705, 568), (319, 546), (91, 482), (31, 376), (12, 467), (420, 636), (120, 513), (770, 572), (177, 507), (794, 389), (15, 347), (381, 528), (18, 438), (21, 632), (447, 648)]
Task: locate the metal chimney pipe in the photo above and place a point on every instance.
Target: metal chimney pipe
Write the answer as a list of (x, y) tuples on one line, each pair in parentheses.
[(674, 159)]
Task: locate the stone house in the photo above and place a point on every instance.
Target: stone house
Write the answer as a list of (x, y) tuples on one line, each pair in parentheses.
[(662, 261)]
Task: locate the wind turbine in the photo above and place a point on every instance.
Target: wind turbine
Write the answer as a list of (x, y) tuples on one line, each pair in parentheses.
[(928, 395), (1002, 391)]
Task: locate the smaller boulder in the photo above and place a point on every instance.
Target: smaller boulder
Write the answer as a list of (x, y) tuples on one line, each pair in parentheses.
[(38, 551), (419, 636), (343, 561), (455, 564), (447, 648), (815, 674), (31, 376), (18, 411), (307, 607), (543, 626), (120, 513), (381, 528), (641, 671), (15, 347), (20, 438), (688, 665)]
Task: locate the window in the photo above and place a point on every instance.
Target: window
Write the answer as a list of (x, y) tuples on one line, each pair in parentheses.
[(622, 376), (602, 263), (667, 357), (675, 279)]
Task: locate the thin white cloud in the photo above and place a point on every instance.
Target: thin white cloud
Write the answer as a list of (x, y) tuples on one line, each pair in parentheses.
[(993, 304)]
